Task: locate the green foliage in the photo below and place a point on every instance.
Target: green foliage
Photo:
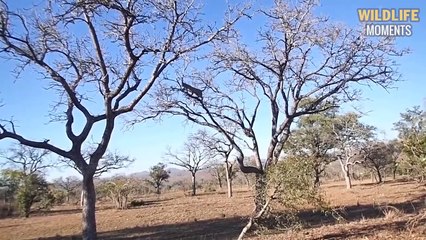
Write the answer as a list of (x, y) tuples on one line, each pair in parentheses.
[(294, 181), (314, 140), (59, 196), (412, 133), (159, 175), (377, 156), (118, 190), (10, 179), (32, 188)]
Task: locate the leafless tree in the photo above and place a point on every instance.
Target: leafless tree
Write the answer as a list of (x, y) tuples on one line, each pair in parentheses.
[(301, 64), (193, 157), (101, 58), (378, 156), (28, 160), (351, 136), (108, 162), (69, 184), (220, 147)]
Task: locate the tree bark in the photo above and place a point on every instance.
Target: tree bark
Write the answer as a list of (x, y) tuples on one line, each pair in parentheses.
[(219, 179), (89, 204), (228, 179), (394, 173), (247, 180), (260, 192), (157, 189), (346, 174), (317, 178), (194, 187), (348, 180), (379, 176)]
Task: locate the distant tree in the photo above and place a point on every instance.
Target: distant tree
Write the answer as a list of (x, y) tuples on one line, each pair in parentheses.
[(69, 185), (9, 180), (218, 171), (27, 189), (27, 159), (193, 157), (351, 136), (25, 175), (32, 189), (221, 149), (118, 190), (412, 134), (159, 175), (314, 139), (377, 156), (108, 162)]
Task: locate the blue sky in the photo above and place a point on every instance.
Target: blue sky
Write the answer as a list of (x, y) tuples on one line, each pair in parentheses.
[(27, 99)]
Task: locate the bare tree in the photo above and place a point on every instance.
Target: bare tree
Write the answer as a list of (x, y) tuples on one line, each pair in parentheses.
[(351, 137), (28, 160), (301, 64), (377, 156), (193, 157), (69, 184), (126, 47), (218, 146)]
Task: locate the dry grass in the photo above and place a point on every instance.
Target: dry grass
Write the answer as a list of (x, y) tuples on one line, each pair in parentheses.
[(369, 211)]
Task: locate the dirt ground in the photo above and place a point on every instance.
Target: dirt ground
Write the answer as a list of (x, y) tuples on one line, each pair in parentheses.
[(368, 211)]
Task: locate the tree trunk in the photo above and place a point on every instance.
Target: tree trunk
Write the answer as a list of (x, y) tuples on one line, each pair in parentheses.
[(228, 179), (89, 204), (379, 176), (346, 173), (157, 189), (219, 179), (317, 178), (247, 180), (394, 173), (82, 198), (348, 178), (194, 187), (260, 192)]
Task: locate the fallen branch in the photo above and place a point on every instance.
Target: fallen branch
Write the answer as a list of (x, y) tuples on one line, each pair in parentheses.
[(258, 215)]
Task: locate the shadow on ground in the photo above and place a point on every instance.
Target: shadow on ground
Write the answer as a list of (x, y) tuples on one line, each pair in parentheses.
[(358, 212), (229, 228), (224, 228)]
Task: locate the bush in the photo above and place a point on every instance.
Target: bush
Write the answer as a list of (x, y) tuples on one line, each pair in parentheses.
[(137, 203), (33, 188), (293, 179), (6, 210)]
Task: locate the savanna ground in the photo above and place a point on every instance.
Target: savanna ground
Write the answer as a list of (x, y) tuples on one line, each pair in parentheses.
[(368, 211)]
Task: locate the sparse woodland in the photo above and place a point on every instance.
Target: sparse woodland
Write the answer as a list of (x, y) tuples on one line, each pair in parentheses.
[(120, 63)]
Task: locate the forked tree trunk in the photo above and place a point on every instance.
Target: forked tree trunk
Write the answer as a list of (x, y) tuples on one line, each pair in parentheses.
[(194, 187), (89, 204), (228, 179)]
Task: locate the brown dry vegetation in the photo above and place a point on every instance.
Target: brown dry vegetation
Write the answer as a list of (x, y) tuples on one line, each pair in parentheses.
[(368, 211)]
